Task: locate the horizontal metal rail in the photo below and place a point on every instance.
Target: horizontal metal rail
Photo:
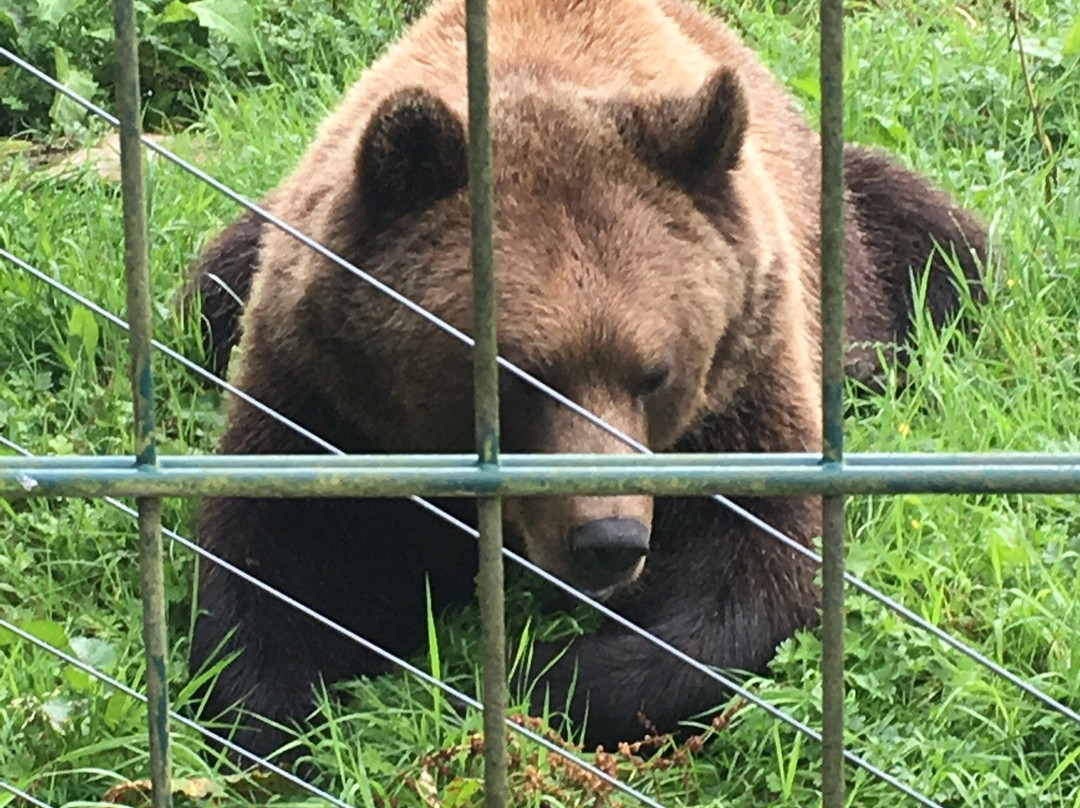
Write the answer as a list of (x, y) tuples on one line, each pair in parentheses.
[(536, 475), (787, 460)]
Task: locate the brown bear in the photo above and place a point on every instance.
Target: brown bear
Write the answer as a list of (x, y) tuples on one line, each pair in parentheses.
[(657, 237)]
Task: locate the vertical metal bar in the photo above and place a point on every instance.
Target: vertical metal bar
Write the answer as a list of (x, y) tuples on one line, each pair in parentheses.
[(136, 263), (486, 381), (833, 316), (832, 396)]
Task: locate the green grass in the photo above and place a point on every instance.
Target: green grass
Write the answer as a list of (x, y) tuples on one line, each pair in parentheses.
[(938, 84)]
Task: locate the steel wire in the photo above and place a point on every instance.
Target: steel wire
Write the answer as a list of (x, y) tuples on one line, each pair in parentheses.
[(127, 690), (22, 795)]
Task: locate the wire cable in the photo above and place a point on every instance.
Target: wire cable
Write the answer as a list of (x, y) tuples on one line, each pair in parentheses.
[(22, 795)]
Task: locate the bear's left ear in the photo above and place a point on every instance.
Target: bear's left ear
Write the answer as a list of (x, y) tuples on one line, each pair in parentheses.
[(412, 155), (690, 139)]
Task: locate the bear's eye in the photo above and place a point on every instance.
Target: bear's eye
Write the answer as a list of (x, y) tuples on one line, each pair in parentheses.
[(652, 381)]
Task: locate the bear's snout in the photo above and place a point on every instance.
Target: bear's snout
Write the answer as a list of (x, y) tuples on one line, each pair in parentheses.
[(597, 544), (608, 546)]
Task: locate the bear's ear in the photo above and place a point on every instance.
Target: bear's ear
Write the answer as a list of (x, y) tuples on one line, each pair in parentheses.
[(412, 155), (690, 139)]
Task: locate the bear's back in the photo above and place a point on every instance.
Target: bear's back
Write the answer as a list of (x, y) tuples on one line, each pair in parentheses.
[(592, 49), (600, 48)]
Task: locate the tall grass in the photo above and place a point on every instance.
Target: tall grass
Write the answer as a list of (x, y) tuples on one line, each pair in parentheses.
[(937, 83)]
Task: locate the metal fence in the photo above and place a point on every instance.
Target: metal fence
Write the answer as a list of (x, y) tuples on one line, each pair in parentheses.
[(489, 475)]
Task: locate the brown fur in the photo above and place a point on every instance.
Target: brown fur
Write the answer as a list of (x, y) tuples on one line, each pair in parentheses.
[(656, 219), (223, 282)]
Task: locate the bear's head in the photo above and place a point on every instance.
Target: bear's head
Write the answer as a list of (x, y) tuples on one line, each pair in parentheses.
[(621, 274)]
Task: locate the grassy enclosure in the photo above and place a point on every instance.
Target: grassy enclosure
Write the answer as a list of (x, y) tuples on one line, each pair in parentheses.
[(943, 85)]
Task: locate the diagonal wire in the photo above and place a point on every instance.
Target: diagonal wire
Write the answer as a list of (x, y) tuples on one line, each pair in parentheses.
[(849, 577), (178, 717), (724, 680), (22, 795)]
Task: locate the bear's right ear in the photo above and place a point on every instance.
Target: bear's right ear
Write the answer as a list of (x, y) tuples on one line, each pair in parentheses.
[(412, 155), (692, 139)]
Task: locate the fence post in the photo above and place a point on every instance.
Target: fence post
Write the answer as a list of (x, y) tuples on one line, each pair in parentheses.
[(832, 396), (486, 384), (136, 263)]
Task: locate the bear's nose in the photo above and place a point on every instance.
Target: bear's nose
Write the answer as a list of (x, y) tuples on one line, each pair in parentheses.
[(608, 545)]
